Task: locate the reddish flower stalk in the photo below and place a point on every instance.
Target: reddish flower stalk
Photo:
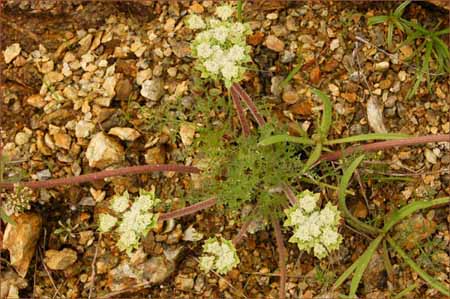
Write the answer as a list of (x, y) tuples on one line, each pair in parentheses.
[(241, 234), (251, 105), (188, 210), (384, 145), (287, 190), (240, 112), (281, 257), (103, 174)]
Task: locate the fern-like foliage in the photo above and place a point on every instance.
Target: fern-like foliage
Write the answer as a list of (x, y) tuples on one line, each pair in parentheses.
[(241, 172)]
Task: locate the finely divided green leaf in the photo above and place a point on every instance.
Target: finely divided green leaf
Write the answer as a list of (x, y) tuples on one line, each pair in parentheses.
[(285, 138)]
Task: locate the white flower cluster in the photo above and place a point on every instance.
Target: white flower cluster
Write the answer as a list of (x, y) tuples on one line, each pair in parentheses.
[(221, 48), (314, 228), (136, 221), (218, 255)]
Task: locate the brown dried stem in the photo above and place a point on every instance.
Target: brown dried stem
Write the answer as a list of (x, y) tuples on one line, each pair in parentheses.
[(188, 210), (103, 174), (384, 145), (240, 112), (251, 105), (281, 257), (242, 233)]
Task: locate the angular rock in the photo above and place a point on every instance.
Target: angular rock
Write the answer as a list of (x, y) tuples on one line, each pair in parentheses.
[(187, 132), (62, 140), (152, 89), (21, 239), (375, 115), (10, 284), (36, 101), (104, 151), (127, 134), (11, 52), (60, 260), (274, 43), (83, 128)]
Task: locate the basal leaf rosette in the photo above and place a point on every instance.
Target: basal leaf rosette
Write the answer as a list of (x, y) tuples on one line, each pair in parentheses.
[(220, 48), (219, 255), (132, 222), (314, 228)]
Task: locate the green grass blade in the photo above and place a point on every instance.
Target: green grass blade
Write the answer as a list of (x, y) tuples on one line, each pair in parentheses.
[(285, 138), (240, 9), (426, 63), (313, 157), (342, 204), (363, 261), (398, 12), (390, 33), (411, 208), (424, 275), (367, 137), (405, 291), (346, 274), (293, 72), (325, 123), (442, 32), (376, 20)]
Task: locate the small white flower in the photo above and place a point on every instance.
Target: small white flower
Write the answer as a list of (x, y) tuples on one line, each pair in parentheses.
[(224, 11), (221, 34), (195, 22), (120, 202), (206, 263), (236, 53), (313, 228), (308, 200), (145, 201), (219, 255), (128, 241), (204, 50), (229, 70), (330, 237), (106, 222), (212, 66), (320, 251)]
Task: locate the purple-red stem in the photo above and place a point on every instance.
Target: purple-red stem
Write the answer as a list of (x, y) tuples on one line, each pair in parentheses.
[(240, 112), (251, 105), (384, 145), (188, 210), (281, 256), (287, 190), (241, 234), (103, 174)]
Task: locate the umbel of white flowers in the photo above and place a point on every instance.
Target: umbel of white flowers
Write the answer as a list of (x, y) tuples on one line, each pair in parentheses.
[(134, 221), (314, 228), (220, 48), (218, 255)]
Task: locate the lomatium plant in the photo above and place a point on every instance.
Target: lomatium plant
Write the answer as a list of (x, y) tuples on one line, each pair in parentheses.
[(132, 219), (220, 48), (17, 201), (314, 228)]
